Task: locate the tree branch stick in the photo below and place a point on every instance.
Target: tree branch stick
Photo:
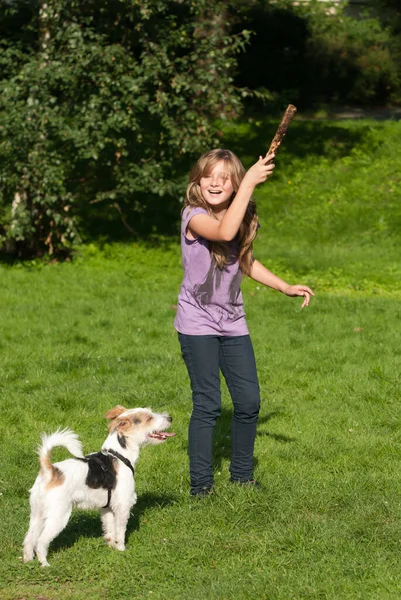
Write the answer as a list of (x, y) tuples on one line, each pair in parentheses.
[(282, 128)]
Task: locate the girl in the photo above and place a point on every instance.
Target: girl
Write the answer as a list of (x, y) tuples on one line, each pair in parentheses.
[(219, 224)]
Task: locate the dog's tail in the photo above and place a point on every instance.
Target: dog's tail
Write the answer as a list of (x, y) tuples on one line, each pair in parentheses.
[(61, 437)]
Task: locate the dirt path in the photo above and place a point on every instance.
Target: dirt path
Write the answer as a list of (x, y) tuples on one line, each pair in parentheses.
[(349, 112)]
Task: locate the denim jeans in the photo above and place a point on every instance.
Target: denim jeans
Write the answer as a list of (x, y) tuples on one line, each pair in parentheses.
[(205, 356)]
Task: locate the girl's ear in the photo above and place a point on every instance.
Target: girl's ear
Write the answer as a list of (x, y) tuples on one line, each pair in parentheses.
[(115, 412)]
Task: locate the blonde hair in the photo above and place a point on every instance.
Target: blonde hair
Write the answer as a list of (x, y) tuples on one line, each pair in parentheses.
[(221, 251)]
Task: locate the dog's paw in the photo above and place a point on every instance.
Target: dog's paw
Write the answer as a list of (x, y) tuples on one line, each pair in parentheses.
[(115, 545), (28, 555), (119, 546), (44, 564), (26, 559)]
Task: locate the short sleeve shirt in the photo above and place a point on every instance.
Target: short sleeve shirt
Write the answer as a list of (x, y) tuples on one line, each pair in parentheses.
[(210, 299)]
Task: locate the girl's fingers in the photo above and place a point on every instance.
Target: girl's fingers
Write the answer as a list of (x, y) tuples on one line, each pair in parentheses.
[(301, 290), (268, 157), (261, 170), (304, 289), (306, 300)]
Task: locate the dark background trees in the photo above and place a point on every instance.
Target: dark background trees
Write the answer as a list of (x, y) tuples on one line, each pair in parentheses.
[(104, 105), (312, 53)]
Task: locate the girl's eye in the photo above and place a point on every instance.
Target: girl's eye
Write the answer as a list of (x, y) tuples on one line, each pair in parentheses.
[(221, 177)]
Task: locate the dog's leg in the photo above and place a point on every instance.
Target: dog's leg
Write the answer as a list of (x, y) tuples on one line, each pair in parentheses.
[(121, 517), (35, 528), (31, 537), (108, 526), (57, 519)]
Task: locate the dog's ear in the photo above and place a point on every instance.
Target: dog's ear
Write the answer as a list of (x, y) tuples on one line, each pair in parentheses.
[(115, 412), (123, 425), (120, 425)]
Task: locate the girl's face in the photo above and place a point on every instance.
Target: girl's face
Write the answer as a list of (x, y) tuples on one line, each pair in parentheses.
[(216, 187)]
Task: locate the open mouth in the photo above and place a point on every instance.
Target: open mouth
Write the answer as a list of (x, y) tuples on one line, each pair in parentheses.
[(160, 435), (214, 192)]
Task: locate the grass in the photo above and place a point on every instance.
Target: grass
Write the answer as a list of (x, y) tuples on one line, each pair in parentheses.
[(78, 338)]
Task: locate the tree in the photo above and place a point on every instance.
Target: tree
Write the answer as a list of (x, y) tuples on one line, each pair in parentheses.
[(105, 104), (313, 53), (390, 12)]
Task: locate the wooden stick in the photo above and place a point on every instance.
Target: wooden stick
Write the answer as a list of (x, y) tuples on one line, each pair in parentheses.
[(282, 128)]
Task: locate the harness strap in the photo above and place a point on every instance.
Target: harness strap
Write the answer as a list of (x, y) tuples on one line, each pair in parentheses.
[(122, 458), (115, 455)]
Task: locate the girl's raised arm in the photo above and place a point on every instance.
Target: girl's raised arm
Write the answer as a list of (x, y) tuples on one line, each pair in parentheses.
[(225, 229)]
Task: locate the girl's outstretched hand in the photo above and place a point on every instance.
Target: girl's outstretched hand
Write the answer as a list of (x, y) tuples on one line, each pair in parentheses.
[(260, 171), (300, 290)]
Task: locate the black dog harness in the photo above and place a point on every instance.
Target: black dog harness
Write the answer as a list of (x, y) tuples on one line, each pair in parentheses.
[(101, 471)]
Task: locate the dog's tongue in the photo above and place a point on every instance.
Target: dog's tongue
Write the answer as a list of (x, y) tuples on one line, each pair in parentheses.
[(162, 434)]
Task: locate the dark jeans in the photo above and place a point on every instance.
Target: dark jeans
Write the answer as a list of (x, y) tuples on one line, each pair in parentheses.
[(204, 356)]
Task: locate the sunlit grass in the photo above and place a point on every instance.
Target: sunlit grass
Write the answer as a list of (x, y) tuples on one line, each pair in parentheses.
[(80, 337)]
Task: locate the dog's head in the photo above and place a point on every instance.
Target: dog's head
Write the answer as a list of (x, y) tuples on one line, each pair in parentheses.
[(139, 425)]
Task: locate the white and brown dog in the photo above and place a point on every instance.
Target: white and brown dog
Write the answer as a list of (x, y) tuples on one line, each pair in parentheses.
[(103, 480)]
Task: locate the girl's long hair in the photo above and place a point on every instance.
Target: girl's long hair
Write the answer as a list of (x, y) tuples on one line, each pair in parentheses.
[(221, 251)]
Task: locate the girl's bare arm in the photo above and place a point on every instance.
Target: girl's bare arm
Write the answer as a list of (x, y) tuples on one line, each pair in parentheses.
[(262, 275), (227, 228)]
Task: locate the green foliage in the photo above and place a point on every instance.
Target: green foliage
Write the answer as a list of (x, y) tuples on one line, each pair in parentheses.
[(390, 13), (337, 187), (106, 107), (311, 53), (105, 104), (351, 60), (326, 523)]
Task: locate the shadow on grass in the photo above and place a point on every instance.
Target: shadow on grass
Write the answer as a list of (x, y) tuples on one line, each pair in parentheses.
[(278, 437), (88, 524), (222, 436), (156, 220), (160, 216), (146, 501), (304, 139)]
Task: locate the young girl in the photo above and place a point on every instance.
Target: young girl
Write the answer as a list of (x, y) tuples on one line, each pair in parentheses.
[(219, 224)]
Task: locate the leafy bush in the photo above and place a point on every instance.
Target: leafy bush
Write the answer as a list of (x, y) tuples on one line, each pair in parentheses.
[(104, 108), (351, 61), (307, 54)]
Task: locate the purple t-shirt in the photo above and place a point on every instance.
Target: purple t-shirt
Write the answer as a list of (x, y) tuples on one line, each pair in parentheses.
[(210, 299)]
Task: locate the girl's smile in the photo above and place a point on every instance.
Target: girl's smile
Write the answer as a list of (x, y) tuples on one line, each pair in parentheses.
[(216, 187)]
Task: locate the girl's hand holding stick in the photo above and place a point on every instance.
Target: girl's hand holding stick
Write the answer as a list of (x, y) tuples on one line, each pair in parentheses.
[(258, 173), (261, 170)]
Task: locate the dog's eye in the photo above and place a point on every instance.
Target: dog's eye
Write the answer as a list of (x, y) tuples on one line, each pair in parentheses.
[(137, 421)]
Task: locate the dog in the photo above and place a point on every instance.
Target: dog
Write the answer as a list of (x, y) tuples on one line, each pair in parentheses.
[(102, 480)]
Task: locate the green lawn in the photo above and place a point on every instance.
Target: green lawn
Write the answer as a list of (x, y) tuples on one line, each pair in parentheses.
[(78, 338)]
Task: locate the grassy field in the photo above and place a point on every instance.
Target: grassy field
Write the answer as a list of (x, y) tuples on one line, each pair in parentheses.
[(78, 338)]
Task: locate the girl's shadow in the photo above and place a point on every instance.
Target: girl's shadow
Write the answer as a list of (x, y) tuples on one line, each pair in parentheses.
[(222, 436)]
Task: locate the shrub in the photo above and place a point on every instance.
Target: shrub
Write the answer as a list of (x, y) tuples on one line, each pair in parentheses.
[(105, 104), (308, 54)]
